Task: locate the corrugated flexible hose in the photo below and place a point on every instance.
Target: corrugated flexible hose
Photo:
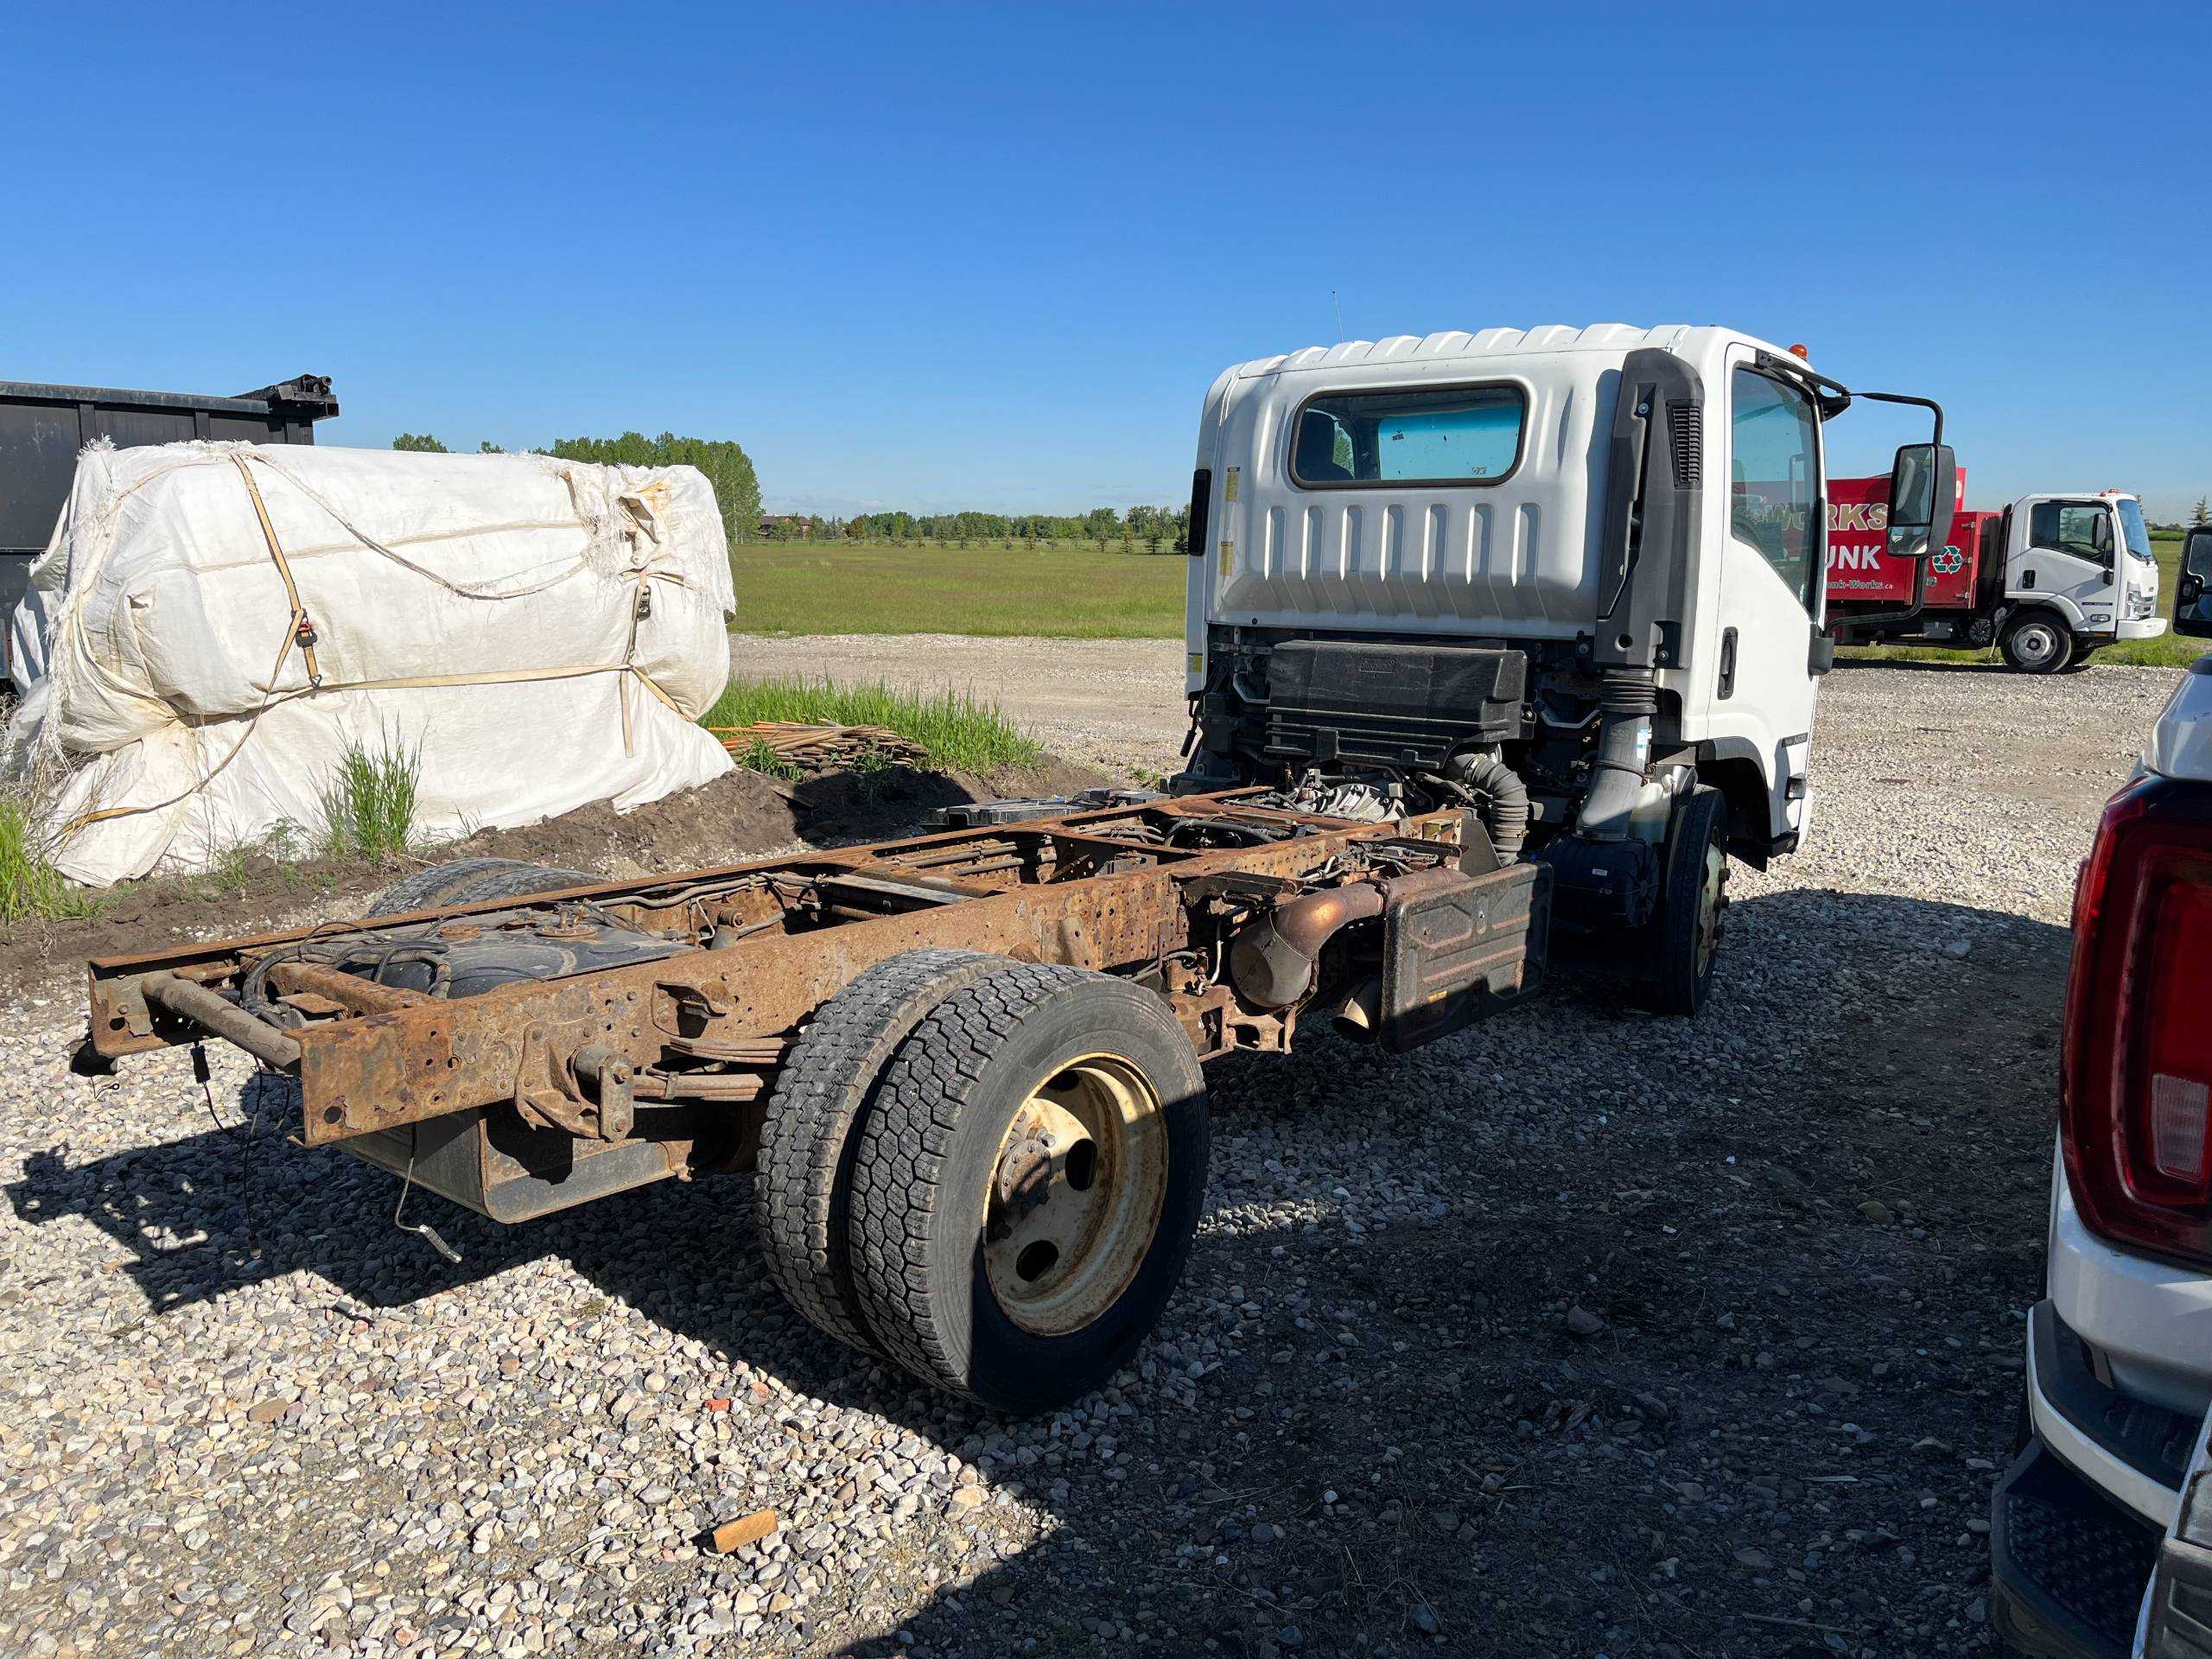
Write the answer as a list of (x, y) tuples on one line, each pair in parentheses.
[(1500, 798)]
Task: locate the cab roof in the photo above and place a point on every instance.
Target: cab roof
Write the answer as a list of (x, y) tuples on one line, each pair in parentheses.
[(1488, 342)]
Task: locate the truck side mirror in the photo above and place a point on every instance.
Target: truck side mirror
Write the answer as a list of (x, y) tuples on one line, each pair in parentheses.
[(2193, 592), (1923, 490)]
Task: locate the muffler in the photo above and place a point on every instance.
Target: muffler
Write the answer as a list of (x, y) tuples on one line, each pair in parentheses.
[(1273, 961)]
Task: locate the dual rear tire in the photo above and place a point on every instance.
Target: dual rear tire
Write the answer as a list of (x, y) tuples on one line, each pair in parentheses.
[(988, 1171)]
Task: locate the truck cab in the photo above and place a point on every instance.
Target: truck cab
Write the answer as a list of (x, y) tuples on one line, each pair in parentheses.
[(1569, 579), (2078, 573)]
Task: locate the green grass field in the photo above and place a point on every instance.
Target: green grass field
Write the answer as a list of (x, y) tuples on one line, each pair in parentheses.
[(1060, 590), (1071, 590)]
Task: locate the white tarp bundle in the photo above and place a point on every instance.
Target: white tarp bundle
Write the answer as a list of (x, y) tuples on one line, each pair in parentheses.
[(215, 625)]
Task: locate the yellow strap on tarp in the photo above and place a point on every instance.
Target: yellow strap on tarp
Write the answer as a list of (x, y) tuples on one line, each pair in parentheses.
[(301, 626)]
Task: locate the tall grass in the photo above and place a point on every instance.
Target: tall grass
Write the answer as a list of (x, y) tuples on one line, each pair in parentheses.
[(368, 805), (955, 729), (30, 887), (757, 756)]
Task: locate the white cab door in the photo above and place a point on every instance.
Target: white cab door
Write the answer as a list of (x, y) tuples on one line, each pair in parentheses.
[(2072, 552), (1774, 551)]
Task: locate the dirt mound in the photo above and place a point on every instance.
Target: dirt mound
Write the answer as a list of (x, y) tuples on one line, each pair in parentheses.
[(741, 815)]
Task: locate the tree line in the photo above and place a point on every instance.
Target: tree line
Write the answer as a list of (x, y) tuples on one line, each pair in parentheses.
[(1155, 529), (737, 488), (727, 467)]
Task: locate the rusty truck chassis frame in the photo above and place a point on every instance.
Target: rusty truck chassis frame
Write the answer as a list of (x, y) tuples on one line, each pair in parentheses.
[(534, 1095)]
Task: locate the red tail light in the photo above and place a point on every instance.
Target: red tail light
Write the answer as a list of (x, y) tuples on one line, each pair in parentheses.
[(2135, 1083)]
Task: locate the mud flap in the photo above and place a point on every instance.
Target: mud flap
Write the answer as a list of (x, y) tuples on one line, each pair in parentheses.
[(1457, 948)]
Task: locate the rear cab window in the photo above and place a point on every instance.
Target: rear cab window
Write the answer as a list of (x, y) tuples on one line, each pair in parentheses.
[(1773, 471), (1436, 435)]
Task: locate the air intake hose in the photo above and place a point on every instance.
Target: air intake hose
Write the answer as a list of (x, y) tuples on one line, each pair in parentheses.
[(1626, 702), (1500, 798)]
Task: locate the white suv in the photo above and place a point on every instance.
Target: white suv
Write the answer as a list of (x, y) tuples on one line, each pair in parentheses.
[(2119, 1352)]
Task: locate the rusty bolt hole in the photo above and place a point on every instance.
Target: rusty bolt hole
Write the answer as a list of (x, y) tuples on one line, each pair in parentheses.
[(1036, 1261)]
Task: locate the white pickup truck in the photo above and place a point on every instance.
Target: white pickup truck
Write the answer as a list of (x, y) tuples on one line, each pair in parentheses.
[(2119, 1351)]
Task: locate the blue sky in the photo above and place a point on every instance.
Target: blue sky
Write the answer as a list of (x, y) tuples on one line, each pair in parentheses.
[(991, 256)]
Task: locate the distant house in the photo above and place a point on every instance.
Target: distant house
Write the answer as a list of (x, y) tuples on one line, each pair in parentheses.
[(786, 526)]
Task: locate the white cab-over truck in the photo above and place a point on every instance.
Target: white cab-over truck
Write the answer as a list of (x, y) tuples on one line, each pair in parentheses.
[(2078, 574), (1572, 577), (1497, 639)]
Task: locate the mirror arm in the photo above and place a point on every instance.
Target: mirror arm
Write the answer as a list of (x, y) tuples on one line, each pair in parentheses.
[(1929, 403), (1919, 565)]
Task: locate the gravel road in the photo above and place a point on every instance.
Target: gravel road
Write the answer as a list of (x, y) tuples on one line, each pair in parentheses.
[(1580, 1333)]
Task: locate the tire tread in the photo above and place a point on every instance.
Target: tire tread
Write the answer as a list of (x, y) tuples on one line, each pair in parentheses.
[(808, 1135), (900, 1173), (465, 881)]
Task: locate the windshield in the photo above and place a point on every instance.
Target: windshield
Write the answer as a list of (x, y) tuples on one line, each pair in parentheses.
[(2138, 534)]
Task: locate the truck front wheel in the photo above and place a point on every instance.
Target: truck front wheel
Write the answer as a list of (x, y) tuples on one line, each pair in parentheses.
[(2038, 643), (1028, 1185), (1685, 934)]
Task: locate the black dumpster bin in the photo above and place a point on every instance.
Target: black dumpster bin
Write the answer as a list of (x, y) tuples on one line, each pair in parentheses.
[(42, 427)]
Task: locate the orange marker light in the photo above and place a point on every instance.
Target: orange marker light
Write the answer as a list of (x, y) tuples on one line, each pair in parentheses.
[(1800, 352)]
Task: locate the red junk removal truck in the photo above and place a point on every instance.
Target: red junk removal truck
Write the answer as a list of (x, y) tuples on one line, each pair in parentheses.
[(2049, 579)]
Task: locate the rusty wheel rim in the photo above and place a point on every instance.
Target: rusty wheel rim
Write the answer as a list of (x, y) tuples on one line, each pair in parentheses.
[(1712, 900), (1076, 1195)]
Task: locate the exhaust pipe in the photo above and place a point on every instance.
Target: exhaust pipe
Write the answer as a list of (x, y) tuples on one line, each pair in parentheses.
[(1273, 961), (1357, 1010)]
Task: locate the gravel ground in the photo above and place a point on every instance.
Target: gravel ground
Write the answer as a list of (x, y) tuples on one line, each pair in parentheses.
[(1581, 1333)]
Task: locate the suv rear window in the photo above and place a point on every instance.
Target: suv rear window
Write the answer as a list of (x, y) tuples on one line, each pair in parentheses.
[(1450, 435)]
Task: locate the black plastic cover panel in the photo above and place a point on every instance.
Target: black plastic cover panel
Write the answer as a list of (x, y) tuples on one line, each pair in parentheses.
[(1334, 702), (1458, 947)]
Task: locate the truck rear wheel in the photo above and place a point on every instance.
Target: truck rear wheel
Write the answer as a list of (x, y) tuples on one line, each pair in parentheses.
[(803, 1183), (1028, 1185), (1692, 898), (2038, 643)]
